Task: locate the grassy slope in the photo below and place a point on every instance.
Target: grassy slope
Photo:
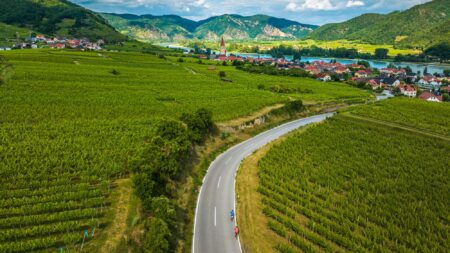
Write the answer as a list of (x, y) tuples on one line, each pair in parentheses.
[(64, 115), (9, 32), (360, 176)]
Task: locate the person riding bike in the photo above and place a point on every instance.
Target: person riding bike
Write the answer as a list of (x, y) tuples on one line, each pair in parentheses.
[(232, 215), (236, 231)]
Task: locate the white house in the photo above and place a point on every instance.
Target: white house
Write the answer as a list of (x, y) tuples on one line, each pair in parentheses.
[(427, 96), (408, 91)]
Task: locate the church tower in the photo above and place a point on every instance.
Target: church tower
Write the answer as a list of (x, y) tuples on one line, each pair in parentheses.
[(223, 49)]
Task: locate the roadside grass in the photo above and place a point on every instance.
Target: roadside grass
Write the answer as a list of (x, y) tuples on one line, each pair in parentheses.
[(255, 235)]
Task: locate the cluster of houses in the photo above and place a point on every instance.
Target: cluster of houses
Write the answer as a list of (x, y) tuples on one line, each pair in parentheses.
[(399, 81), (56, 43)]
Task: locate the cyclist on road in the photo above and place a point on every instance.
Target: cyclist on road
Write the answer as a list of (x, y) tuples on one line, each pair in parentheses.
[(236, 231), (232, 215)]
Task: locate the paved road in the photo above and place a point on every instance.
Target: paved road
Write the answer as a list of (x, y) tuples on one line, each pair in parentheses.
[(213, 229)]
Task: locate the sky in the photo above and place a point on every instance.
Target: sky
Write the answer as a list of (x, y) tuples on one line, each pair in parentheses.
[(317, 12)]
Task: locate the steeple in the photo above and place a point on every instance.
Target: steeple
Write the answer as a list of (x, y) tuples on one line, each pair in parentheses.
[(223, 49)]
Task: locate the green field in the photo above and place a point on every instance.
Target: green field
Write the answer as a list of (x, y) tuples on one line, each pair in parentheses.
[(71, 122), (352, 185)]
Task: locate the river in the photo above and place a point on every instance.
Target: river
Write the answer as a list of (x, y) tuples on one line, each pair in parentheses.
[(432, 67)]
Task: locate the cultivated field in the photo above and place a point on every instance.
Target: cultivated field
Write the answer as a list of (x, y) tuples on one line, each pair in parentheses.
[(353, 185), (72, 122)]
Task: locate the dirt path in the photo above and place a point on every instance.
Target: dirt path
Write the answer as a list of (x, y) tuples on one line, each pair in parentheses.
[(394, 125), (241, 120), (120, 207)]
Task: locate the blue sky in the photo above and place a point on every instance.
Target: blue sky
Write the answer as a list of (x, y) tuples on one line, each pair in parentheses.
[(305, 11)]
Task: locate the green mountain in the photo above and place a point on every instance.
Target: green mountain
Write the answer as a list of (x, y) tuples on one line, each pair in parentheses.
[(57, 17), (232, 27), (419, 27)]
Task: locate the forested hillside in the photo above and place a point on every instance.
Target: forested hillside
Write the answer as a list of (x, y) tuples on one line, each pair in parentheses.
[(419, 27), (57, 17), (232, 27)]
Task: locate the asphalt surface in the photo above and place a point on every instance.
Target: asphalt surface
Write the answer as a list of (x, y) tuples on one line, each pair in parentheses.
[(213, 228)]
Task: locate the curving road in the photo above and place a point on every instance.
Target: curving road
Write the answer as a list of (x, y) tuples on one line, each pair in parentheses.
[(213, 230)]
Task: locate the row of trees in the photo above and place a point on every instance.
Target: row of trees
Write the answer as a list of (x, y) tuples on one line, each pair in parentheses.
[(314, 51), (157, 171)]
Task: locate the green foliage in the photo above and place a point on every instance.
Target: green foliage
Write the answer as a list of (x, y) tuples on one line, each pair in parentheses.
[(58, 17), (200, 124), (114, 72), (441, 50), (222, 74), (163, 208), (381, 53), (360, 186), (157, 236), (419, 27), (364, 63), (172, 27)]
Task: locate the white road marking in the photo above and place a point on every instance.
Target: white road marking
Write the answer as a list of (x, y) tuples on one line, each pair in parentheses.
[(218, 183), (215, 217)]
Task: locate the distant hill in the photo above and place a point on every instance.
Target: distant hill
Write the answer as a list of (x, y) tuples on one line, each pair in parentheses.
[(420, 27), (232, 27), (57, 17)]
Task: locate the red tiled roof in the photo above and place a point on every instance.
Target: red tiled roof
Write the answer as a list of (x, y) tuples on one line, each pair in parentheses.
[(428, 95)]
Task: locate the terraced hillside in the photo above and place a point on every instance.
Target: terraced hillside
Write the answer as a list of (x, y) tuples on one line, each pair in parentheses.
[(72, 122), (375, 182)]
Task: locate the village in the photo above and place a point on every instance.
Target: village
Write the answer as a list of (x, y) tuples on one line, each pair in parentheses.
[(398, 81), (41, 41)]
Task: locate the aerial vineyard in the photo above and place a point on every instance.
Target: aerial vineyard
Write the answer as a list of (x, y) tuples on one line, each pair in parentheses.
[(71, 122), (431, 117), (349, 185)]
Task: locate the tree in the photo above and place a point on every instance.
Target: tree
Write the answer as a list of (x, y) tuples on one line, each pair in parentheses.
[(199, 123), (163, 208), (364, 63), (222, 74), (425, 71), (297, 56), (445, 97), (143, 187), (381, 53), (447, 72), (391, 66), (157, 236), (408, 70)]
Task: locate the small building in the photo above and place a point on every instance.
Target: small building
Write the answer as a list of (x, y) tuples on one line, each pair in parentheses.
[(361, 73), (323, 77), (374, 84), (408, 90), (428, 96)]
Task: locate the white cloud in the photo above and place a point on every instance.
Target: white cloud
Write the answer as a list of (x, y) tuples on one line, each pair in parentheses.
[(310, 5), (323, 5), (355, 3)]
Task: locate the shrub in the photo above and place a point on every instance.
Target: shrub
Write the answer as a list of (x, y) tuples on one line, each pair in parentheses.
[(222, 74), (114, 72)]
